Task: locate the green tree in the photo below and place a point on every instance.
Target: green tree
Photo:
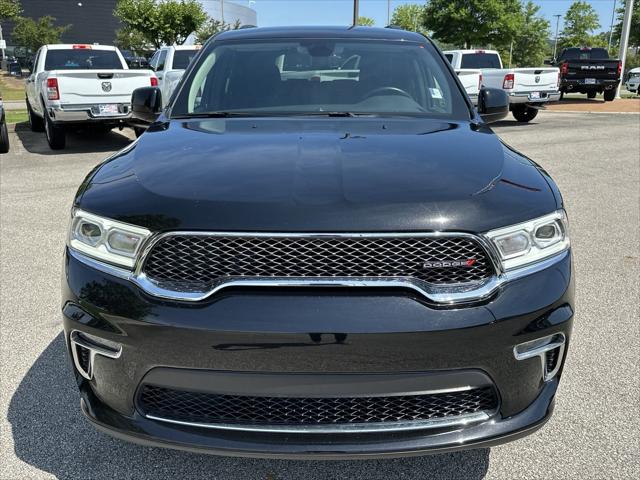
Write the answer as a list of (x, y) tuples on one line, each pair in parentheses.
[(127, 39), (10, 9), (473, 22), (634, 32), (579, 23), (531, 43), (366, 22), (410, 17), (32, 34), (166, 22), (212, 27)]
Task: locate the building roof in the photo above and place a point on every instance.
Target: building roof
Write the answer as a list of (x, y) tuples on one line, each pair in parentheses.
[(321, 32)]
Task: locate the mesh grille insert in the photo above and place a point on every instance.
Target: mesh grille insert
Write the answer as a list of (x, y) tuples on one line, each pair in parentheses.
[(199, 262), (210, 408)]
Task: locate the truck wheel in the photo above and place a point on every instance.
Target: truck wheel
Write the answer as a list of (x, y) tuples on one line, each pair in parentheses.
[(56, 136), (609, 95), (522, 113), (35, 122), (4, 138), (592, 94)]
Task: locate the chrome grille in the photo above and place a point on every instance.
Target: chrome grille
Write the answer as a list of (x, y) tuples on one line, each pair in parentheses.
[(201, 261), (211, 408)]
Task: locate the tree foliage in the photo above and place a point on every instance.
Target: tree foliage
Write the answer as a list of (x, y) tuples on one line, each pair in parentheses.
[(410, 17), (531, 42), (473, 22), (212, 26), (579, 23), (127, 39), (634, 32), (166, 22), (10, 9), (32, 34), (366, 21)]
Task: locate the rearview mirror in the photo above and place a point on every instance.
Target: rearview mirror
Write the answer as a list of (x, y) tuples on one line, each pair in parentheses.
[(493, 104), (146, 105)]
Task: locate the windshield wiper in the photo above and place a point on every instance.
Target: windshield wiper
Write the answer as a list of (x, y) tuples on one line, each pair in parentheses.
[(220, 115)]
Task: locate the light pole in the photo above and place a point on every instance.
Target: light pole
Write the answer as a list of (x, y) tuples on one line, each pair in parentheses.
[(555, 44), (388, 12), (356, 6), (624, 41), (222, 11), (613, 16)]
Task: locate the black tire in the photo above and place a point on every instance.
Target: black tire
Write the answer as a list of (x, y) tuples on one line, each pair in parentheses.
[(138, 131), (35, 122), (524, 114), (609, 95), (56, 135), (591, 95), (561, 94), (4, 138)]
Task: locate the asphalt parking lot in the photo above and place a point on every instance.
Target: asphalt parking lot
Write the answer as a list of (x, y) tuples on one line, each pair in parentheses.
[(594, 434)]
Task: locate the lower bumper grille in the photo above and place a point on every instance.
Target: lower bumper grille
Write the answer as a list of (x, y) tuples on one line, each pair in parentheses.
[(211, 409)]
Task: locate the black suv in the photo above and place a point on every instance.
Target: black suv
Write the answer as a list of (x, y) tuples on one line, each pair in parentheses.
[(318, 249)]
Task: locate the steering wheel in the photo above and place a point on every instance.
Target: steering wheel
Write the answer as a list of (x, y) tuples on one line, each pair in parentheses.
[(392, 90)]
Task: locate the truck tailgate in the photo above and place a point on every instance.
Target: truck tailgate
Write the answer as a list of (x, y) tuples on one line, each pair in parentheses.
[(597, 69), (80, 87), (534, 79)]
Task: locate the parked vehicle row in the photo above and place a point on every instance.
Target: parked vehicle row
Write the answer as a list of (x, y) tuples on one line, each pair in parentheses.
[(80, 84), (528, 88), (589, 70), (633, 81)]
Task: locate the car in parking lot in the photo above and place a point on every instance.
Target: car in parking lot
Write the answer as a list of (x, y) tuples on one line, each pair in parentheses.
[(633, 81), (322, 267), (80, 84), (169, 64), (528, 88), (4, 132), (589, 70)]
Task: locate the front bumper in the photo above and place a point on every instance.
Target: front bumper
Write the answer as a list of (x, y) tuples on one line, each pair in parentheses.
[(257, 332), (545, 97), (90, 113)]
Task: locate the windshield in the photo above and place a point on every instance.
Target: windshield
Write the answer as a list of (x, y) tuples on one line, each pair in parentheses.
[(82, 59), (182, 58), (316, 76)]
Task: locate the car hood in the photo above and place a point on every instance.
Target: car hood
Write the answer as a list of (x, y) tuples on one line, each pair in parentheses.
[(323, 175)]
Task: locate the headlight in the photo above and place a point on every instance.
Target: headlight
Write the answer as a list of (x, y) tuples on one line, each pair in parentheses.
[(107, 240), (531, 241)]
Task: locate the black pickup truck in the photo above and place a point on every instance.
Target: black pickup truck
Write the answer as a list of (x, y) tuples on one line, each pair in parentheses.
[(588, 70)]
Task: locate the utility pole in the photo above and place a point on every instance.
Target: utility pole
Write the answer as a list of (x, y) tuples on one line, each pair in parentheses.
[(555, 44), (356, 7), (624, 41), (613, 16), (222, 11), (388, 12)]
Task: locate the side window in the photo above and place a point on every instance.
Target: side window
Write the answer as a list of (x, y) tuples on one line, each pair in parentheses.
[(161, 60), (154, 60)]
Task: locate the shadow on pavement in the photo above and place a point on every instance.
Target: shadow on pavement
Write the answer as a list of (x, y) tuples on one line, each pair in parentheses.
[(78, 141), (50, 433)]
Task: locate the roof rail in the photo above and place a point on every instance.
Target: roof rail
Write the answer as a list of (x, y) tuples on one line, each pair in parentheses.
[(395, 27), (242, 27)]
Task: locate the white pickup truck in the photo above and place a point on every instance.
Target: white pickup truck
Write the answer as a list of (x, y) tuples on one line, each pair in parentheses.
[(528, 88), (471, 80), (169, 64), (80, 85)]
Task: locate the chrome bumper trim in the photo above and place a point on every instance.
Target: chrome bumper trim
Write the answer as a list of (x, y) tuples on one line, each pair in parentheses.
[(553, 96), (77, 338), (557, 340), (459, 420)]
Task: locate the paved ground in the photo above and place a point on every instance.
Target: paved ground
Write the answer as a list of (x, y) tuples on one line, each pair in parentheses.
[(593, 435), (580, 103)]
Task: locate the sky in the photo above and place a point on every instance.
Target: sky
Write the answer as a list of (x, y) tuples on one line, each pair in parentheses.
[(340, 12)]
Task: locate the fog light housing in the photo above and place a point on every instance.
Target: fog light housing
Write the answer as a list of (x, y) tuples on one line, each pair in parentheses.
[(85, 347), (549, 349)]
